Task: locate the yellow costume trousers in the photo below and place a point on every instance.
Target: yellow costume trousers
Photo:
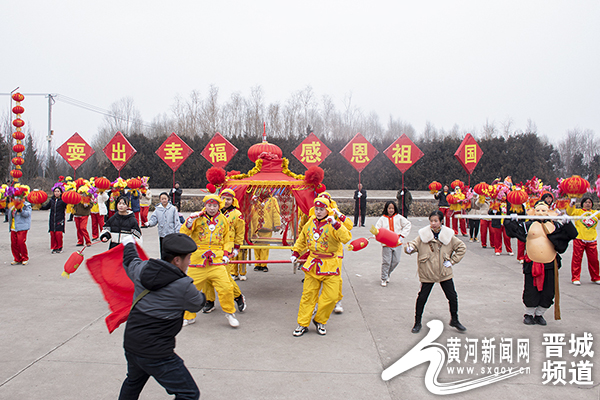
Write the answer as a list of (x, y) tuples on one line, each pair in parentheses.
[(239, 269), (220, 279), (262, 254), (329, 285), (209, 290)]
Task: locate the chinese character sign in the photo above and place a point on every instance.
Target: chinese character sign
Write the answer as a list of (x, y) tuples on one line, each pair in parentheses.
[(75, 151), (311, 152), (174, 151), (119, 151), (359, 152), (403, 153), (468, 154), (219, 151)]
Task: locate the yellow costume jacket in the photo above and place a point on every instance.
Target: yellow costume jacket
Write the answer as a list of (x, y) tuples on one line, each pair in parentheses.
[(266, 216), (213, 243), (236, 224), (586, 227), (323, 241)]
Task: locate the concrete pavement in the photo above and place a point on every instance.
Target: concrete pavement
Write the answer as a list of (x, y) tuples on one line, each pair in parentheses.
[(55, 344)]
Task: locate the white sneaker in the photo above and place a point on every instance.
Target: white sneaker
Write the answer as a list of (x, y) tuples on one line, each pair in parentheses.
[(232, 320), (521, 261), (235, 277), (384, 283), (187, 322), (511, 254), (242, 277), (497, 254), (471, 240), (597, 282), (338, 308), (576, 283)]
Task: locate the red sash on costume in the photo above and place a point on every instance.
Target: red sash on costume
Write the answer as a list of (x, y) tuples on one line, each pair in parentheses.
[(538, 273)]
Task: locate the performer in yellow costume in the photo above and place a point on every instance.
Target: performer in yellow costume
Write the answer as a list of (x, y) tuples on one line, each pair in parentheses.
[(322, 236), (266, 219), (348, 224), (210, 230), (237, 227)]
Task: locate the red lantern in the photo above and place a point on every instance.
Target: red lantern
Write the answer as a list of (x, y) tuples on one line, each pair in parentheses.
[(18, 122), (102, 183), (74, 261), (79, 182), (18, 97), (18, 110), (18, 148), (71, 197), (457, 183), (19, 135), (452, 199), (386, 237), (134, 183), (358, 244), (16, 173), (37, 197), (435, 187), (481, 189), (265, 147), (18, 161), (516, 198), (574, 186)]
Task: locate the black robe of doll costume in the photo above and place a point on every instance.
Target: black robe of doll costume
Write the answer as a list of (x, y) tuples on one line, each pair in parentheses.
[(118, 225), (560, 238)]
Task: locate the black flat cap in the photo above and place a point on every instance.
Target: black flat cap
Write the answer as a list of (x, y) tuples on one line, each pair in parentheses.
[(178, 243)]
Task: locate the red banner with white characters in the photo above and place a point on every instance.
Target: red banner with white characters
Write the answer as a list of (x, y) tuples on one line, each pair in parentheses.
[(403, 153), (219, 151), (359, 152), (311, 152), (174, 151), (75, 151)]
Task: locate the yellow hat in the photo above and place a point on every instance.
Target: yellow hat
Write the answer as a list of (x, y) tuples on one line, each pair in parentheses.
[(212, 197), (230, 192), (322, 202)]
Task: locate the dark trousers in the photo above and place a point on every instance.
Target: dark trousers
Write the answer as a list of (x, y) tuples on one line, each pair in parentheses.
[(169, 372), (363, 212), (449, 291), (473, 228), (533, 297)]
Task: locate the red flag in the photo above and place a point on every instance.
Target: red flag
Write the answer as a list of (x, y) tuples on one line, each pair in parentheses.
[(108, 272)]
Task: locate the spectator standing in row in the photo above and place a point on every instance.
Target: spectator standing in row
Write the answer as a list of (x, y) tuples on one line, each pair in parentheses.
[(360, 205), (404, 198), (176, 193), (443, 204)]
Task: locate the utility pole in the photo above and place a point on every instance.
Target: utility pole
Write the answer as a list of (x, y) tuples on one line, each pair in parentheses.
[(51, 101)]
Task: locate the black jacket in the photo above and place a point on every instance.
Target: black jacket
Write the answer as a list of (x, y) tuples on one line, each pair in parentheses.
[(121, 224), (360, 201), (441, 198), (56, 219), (157, 318), (176, 195)]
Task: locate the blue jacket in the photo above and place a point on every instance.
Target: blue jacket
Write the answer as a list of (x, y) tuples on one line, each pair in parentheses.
[(22, 218)]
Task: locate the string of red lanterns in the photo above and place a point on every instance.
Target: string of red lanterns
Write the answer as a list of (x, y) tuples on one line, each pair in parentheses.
[(18, 135)]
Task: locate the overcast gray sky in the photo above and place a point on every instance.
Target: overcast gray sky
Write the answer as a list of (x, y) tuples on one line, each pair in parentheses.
[(446, 62)]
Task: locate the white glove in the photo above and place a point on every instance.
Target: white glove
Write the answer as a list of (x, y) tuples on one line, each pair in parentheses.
[(293, 259), (127, 239), (189, 222), (226, 259), (337, 212), (447, 264), (331, 220), (234, 253), (573, 200), (146, 223), (513, 217), (410, 249), (359, 194)]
